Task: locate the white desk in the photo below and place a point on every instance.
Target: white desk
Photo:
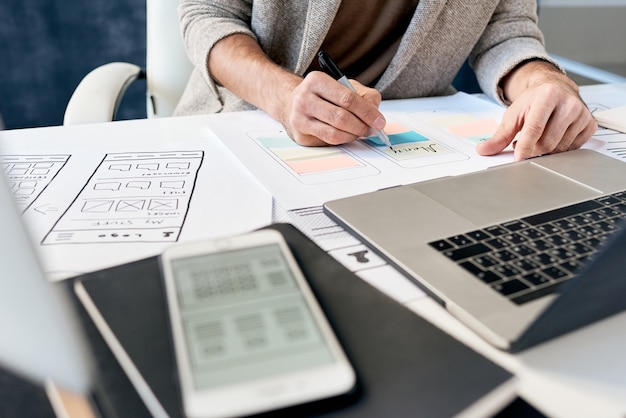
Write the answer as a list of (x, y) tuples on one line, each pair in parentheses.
[(580, 374)]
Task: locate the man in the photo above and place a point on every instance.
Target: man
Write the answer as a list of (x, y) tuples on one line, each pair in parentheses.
[(263, 54)]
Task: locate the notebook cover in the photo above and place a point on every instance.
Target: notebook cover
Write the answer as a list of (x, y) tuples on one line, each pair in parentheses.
[(404, 364)]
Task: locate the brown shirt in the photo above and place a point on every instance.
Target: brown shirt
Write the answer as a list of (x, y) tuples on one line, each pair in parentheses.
[(365, 35)]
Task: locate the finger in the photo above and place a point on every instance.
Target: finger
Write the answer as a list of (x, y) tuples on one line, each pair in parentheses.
[(366, 110), (508, 128), (569, 128), (532, 130), (371, 95), (340, 124), (591, 126), (311, 131)]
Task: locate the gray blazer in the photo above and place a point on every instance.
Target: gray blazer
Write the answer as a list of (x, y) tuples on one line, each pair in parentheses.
[(496, 35)]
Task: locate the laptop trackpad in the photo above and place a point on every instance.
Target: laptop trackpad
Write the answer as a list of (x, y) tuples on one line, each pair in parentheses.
[(507, 192)]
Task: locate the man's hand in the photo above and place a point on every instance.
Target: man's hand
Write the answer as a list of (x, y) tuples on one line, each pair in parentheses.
[(546, 111), (321, 111), (316, 110)]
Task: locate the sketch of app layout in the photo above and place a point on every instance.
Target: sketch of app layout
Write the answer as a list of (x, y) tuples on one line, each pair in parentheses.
[(410, 149), (131, 197), (29, 175), (474, 128), (312, 165)]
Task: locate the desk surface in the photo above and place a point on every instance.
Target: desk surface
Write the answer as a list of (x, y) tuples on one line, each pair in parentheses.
[(579, 374)]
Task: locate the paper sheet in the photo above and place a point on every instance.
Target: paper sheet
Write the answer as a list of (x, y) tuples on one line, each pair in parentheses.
[(351, 252), (602, 97), (431, 137), (91, 200)]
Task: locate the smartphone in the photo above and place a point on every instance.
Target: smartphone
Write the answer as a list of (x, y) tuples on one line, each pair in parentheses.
[(248, 333)]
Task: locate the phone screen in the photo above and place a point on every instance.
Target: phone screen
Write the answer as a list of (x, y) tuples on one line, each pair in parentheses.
[(244, 317)]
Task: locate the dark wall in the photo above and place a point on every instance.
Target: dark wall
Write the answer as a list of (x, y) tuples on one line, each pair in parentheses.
[(46, 47)]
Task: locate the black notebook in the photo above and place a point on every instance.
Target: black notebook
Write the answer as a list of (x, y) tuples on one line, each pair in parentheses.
[(405, 366)]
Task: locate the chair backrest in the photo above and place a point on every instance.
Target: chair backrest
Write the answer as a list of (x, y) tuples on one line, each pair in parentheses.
[(167, 66)]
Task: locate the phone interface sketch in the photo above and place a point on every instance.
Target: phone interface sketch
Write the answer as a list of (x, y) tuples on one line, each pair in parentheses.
[(131, 197)]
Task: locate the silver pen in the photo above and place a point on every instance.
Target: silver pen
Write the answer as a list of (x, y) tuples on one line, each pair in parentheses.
[(329, 67)]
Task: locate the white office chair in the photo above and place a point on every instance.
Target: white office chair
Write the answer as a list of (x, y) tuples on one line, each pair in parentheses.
[(167, 71), (98, 95)]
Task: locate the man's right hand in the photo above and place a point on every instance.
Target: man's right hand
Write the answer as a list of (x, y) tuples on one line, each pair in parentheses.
[(316, 110), (321, 111)]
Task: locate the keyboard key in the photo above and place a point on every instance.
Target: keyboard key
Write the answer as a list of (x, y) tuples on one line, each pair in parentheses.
[(485, 276), (554, 273), (537, 293), (579, 220), (504, 255), (606, 226), (522, 250), (561, 213), (561, 253), (621, 207), (460, 240), (497, 243), (514, 226), (592, 242), (610, 212), (536, 279), (515, 238), (608, 200), (579, 248), (478, 235), (466, 252), (441, 245), (526, 265), (571, 266), (549, 229), (593, 216), (539, 245), (543, 259), (574, 235), (565, 224), (557, 240), (485, 261), (496, 230), (620, 195), (506, 271), (591, 231), (531, 233), (510, 287)]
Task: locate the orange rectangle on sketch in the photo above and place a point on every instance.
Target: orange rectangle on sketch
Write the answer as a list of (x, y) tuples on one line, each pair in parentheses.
[(318, 165), (478, 127)]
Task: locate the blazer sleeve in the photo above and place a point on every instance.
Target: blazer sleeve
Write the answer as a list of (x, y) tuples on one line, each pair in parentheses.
[(511, 37), (205, 22)]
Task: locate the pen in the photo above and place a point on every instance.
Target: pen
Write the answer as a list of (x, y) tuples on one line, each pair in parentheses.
[(329, 67)]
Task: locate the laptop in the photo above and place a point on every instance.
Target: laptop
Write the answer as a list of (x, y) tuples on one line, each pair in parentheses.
[(521, 253), (42, 341)]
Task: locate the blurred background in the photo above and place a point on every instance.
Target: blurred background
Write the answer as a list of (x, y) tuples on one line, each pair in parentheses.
[(46, 47)]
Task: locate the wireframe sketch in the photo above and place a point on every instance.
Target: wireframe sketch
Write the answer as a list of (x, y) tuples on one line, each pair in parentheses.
[(472, 128), (29, 175), (312, 165), (131, 197), (411, 149)]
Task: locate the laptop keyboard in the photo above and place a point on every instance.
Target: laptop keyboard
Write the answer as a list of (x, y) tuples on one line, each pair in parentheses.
[(530, 257)]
